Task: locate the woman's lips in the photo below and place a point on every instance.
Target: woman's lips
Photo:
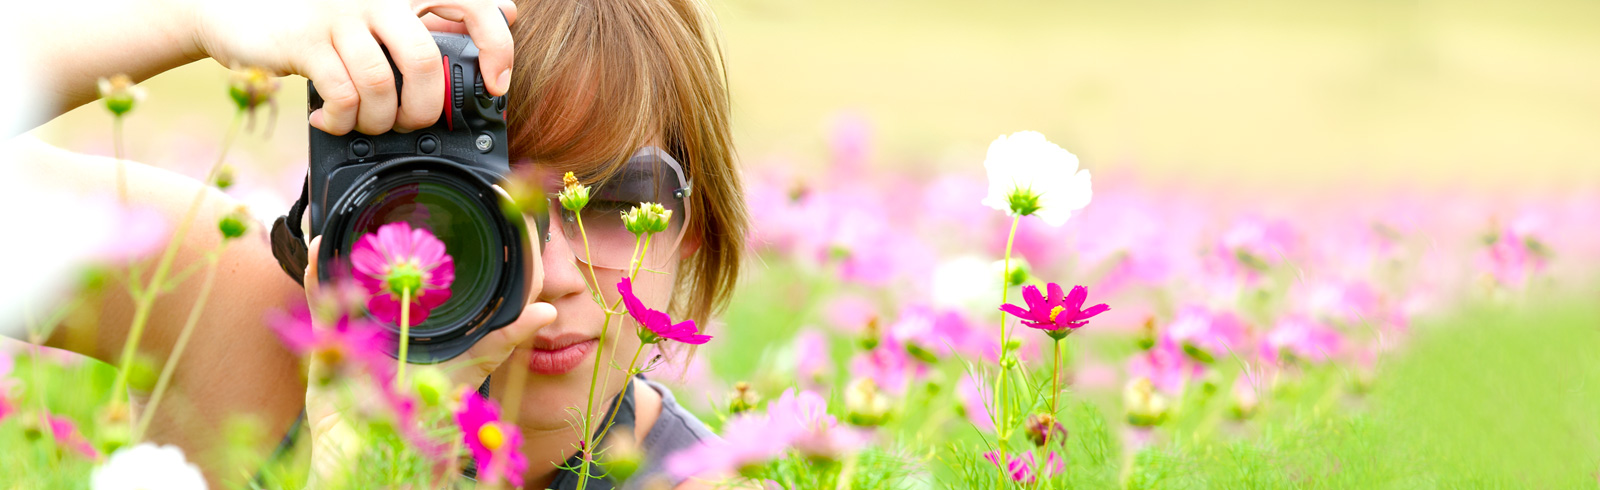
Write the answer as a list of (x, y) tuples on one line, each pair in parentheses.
[(561, 359)]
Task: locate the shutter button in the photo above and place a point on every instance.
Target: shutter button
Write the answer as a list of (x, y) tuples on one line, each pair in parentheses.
[(362, 148)]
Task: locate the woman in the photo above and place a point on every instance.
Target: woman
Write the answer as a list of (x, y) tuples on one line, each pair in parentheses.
[(594, 82)]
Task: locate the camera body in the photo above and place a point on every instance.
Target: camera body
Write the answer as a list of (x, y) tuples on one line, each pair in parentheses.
[(443, 178)]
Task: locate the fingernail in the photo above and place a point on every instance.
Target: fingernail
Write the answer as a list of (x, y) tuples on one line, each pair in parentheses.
[(505, 81)]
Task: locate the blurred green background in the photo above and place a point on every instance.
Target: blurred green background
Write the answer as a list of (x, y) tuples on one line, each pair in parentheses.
[(1498, 94)]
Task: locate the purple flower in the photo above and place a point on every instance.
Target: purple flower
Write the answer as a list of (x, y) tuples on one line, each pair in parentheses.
[(496, 446), (398, 258), (657, 325), (1057, 316)]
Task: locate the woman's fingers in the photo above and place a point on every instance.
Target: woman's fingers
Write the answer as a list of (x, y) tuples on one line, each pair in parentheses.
[(310, 279), (372, 75), (489, 24), (422, 68), (339, 98)]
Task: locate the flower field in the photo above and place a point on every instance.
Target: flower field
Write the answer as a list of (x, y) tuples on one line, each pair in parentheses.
[(1010, 317)]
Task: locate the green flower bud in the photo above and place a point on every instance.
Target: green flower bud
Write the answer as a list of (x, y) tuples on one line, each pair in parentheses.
[(1145, 407), (224, 178), (743, 399), (234, 224), (646, 218), (251, 87), (574, 195), (432, 386), (1023, 202), (622, 456), (142, 374), (120, 94)]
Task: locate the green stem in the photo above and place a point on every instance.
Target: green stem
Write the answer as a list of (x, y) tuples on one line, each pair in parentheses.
[(1003, 425), (183, 342), (116, 144), (405, 336), (588, 431), (1055, 381), (146, 301), (607, 426)]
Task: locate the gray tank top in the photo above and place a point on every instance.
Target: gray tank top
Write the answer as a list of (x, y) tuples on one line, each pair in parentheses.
[(675, 430)]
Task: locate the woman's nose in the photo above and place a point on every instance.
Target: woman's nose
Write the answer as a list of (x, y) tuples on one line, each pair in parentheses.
[(561, 273)]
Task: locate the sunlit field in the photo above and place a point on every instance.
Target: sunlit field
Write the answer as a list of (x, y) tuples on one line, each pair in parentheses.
[(1339, 245)]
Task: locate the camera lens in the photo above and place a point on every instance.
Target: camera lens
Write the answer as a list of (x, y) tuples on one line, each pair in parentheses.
[(452, 215), (463, 210)]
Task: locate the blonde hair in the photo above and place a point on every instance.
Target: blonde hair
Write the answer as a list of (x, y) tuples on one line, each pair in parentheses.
[(594, 80)]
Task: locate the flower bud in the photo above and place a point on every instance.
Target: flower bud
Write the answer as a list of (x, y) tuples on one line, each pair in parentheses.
[(224, 178), (865, 404), (1147, 334), (1145, 407), (622, 456), (1245, 400), (1023, 202), (646, 218), (251, 87), (574, 195), (234, 224), (120, 94), (143, 373), (1043, 429), (871, 335), (431, 385), (743, 399)]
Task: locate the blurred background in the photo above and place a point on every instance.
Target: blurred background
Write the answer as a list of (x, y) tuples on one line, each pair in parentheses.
[(1302, 95)]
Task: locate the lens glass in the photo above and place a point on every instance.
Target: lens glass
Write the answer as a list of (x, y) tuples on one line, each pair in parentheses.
[(649, 176), (452, 213)]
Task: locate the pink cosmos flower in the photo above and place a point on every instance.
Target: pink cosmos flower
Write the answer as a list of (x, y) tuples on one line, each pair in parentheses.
[(1021, 466), (1303, 338), (811, 431), (747, 442), (349, 345), (812, 363), (496, 446), (398, 258), (1166, 365), (889, 365), (1057, 316), (67, 435), (657, 325), (1207, 335), (936, 332), (796, 420), (975, 398)]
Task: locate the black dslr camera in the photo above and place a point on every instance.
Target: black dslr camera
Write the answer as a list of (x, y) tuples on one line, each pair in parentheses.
[(443, 179)]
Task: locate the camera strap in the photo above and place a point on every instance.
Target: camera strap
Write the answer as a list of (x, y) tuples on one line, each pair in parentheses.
[(288, 242)]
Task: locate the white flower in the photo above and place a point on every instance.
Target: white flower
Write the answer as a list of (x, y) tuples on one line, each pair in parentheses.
[(147, 467), (1029, 175)]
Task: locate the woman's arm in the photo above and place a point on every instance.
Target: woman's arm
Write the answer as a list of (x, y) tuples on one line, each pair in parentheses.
[(336, 44)]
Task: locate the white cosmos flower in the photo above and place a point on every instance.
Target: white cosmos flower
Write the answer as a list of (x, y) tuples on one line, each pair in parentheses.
[(148, 467), (1029, 175)]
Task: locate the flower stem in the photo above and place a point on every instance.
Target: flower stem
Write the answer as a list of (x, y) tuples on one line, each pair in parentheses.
[(1002, 419), (146, 301), (1055, 381), (116, 144), (405, 336), (606, 427), (178, 348), (588, 431)]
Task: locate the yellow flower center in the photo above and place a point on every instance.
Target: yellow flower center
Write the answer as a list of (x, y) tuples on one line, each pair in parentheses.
[(1056, 311), (491, 436)]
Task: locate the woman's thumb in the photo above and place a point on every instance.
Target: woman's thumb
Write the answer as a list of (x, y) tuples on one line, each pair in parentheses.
[(495, 347)]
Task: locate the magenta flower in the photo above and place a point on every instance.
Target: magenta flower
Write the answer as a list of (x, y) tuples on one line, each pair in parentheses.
[(67, 436), (496, 446), (350, 345), (398, 258), (1021, 466), (657, 325), (1057, 316)]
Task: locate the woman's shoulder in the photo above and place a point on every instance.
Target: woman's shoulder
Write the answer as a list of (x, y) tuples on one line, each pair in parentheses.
[(663, 428)]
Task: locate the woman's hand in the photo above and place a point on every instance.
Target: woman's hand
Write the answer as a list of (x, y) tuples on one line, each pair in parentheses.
[(336, 45), (332, 436)]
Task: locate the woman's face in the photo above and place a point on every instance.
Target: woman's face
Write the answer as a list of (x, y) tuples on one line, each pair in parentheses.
[(560, 360)]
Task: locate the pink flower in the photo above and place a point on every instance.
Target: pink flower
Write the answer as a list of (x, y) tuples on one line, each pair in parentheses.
[(657, 325), (1021, 467), (496, 446), (1205, 335), (888, 365), (975, 398), (812, 362), (67, 435), (1057, 316), (1166, 365), (349, 345), (1303, 338), (796, 420), (398, 258)]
